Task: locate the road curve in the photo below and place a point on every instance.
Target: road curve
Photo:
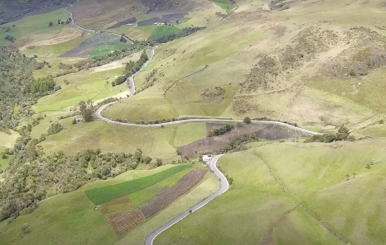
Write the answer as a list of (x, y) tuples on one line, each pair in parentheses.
[(224, 187), (93, 31), (99, 115), (131, 79)]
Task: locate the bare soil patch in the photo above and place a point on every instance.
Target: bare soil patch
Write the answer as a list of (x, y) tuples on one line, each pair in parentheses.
[(124, 221), (174, 7), (130, 21), (168, 195), (217, 143), (79, 52)]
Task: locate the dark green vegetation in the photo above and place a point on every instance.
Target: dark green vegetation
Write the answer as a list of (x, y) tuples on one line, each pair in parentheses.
[(41, 86), (18, 89), (111, 192), (58, 173), (131, 68), (220, 131), (225, 4), (342, 134), (167, 33), (54, 128)]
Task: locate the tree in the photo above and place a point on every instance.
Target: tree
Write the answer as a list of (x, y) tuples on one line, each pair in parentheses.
[(50, 24), (4, 156), (10, 38), (343, 133), (159, 162), (123, 39), (74, 121), (87, 115), (247, 120)]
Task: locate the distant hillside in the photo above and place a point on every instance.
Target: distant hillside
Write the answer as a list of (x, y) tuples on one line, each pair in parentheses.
[(12, 10)]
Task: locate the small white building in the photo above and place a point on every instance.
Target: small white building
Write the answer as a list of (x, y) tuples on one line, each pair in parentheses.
[(207, 158)]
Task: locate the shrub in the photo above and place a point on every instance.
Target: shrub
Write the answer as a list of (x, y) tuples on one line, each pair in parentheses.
[(55, 128), (247, 120)]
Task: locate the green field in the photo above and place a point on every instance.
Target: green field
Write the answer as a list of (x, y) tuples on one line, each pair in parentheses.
[(111, 192), (163, 31), (317, 192), (58, 219), (105, 50), (224, 4), (35, 27), (4, 161)]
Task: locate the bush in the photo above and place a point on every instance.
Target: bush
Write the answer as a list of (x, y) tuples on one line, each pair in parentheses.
[(54, 128), (88, 115), (247, 120), (220, 131)]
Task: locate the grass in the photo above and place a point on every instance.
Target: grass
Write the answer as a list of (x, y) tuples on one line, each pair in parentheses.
[(69, 218), (84, 85), (35, 27), (111, 192), (4, 162), (105, 50), (224, 4), (313, 175), (138, 110), (163, 31), (8, 140)]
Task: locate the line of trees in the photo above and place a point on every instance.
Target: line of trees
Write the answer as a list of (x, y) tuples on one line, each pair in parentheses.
[(131, 68), (220, 131), (342, 134), (183, 33)]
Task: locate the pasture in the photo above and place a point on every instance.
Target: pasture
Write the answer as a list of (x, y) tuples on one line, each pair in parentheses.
[(108, 193), (292, 197)]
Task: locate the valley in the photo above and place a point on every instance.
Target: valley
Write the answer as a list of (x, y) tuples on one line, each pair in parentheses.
[(109, 108)]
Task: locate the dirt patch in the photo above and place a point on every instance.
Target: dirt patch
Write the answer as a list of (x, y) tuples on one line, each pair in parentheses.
[(213, 95), (212, 126), (124, 221), (130, 21), (217, 143), (79, 52), (275, 71), (174, 7), (168, 195), (85, 49), (280, 5), (367, 52)]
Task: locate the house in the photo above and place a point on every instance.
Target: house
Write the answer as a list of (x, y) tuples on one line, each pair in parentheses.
[(207, 158)]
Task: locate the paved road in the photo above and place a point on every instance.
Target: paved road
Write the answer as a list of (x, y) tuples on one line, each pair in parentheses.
[(98, 113), (131, 79), (224, 187), (93, 31)]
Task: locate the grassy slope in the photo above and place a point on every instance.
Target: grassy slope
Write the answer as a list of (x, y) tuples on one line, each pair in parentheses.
[(84, 85), (313, 174), (71, 219), (111, 192), (61, 215), (105, 50), (8, 140), (156, 142), (163, 31), (224, 4), (4, 162), (185, 58), (34, 25)]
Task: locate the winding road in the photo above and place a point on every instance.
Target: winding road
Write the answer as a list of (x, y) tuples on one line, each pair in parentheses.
[(224, 187), (213, 163), (131, 79), (93, 31)]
